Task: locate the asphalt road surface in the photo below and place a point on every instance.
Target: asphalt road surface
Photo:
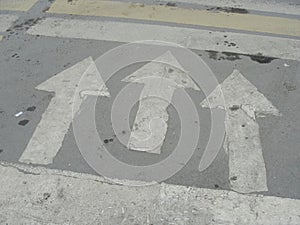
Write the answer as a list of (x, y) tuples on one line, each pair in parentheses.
[(84, 91)]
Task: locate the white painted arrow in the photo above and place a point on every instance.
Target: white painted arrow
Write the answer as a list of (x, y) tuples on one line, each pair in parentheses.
[(243, 102), (161, 77), (50, 132)]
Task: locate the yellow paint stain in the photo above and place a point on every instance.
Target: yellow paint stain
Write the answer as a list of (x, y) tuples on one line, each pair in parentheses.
[(1, 37), (17, 5), (247, 22)]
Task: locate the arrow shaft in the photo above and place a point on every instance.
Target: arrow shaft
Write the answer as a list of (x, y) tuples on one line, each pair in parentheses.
[(150, 125), (70, 87), (247, 171), (49, 134)]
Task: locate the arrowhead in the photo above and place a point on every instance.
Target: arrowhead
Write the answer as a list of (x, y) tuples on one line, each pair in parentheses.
[(165, 67), (239, 92), (83, 77)]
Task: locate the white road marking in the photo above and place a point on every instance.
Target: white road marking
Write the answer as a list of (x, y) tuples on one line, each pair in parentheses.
[(161, 77), (6, 21), (257, 5), (44, 196), (243, 104), (187, 37), (198, 17), (50, 132)]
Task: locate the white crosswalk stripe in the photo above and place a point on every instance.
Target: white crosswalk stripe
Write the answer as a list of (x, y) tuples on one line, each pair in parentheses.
[(50, 191), (187, 37), (6, 21)]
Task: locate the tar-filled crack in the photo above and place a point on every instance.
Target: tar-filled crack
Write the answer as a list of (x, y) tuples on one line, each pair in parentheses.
[(24, 171), (232, 56), (19, 169)]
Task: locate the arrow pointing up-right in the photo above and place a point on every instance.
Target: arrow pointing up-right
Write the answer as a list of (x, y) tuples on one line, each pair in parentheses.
[(243, 103)]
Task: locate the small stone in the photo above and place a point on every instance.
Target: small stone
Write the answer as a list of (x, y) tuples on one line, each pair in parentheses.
[(234, 107), (18, 114), (233, 178), (31, 109), (46, 196)]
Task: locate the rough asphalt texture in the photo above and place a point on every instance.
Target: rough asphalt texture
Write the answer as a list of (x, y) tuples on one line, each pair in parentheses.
[(27, 61)]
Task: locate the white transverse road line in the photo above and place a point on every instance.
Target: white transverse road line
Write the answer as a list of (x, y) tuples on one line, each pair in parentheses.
[(187, 37), (6, 21), (257, 5), (43, 196), (247, 171), (160, 77), (50, 132)]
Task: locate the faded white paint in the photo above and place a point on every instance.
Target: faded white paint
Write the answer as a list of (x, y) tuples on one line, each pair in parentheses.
[(6, 21), (161, 77), (284, 48), (243, 102), (50, 132), (44, 196)]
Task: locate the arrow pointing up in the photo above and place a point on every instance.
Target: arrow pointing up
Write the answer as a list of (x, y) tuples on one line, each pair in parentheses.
[(243, 102), (50, 132), (161, 77)]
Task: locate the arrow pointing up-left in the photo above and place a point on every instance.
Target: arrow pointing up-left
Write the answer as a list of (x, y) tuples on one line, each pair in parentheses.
[(50, 132)]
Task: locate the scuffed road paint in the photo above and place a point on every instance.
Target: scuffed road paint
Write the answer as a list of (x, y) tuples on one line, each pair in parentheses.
[(243, 103), (38, 195)]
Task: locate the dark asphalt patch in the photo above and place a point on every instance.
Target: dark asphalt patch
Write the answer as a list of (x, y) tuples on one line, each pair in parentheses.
[(229, 10), (171, 4), (31, 109), (106, 141), (229, 44), (231, 56), (234, 107), (25, 25), (23, 122), (212, 54), (259, 58), (223, 55)]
